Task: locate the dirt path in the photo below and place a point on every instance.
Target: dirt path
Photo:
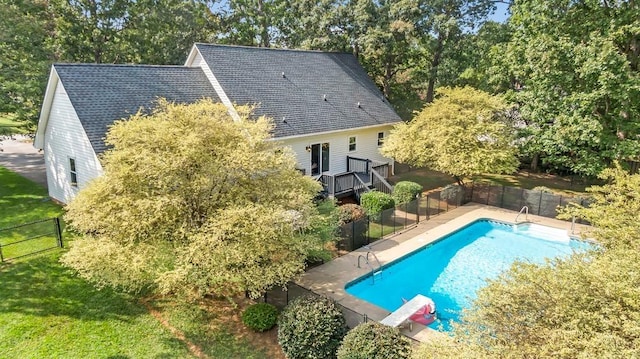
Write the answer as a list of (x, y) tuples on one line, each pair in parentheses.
[(177, 333)]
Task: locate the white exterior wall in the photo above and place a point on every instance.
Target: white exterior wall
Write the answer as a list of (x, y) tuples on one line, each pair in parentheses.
[(366, 147), (65, 138)]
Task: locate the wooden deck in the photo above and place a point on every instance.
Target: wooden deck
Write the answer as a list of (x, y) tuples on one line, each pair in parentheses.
[(362, 176)]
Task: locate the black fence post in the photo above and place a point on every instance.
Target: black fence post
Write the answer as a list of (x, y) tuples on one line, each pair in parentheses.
[(427, 211), (502, 198), (539, 203), (1, 256), (488, 194), (58, 229), (353, 235)]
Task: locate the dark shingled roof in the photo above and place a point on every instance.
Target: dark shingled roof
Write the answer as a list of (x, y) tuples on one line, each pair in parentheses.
[(102, 94), (291, 84)]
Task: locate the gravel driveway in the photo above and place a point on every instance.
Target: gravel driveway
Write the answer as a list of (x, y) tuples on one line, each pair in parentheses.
[(18, 155)]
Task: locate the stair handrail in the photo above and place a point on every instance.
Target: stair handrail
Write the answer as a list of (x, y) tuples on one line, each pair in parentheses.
[(375, 257), (387, 186)]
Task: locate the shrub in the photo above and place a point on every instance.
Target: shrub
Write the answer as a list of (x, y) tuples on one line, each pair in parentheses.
[(374, 340), (542, 189), (260, 316), (451, 191), (406, 191), (311, 327), (350, 213), (375, 202)]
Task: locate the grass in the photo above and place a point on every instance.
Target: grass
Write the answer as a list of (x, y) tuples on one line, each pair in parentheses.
[(46, 311), (23, 201), (523, 179), (9, 125)]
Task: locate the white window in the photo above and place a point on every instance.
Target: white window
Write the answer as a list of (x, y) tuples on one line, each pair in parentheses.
[(380, 138), (352, 143), (73, 175)]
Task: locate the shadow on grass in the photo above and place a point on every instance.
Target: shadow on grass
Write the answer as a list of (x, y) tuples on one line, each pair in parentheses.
[(42, 287)]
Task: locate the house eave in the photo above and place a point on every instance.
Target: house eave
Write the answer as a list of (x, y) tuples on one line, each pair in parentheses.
[(334, 131), (45, 111)]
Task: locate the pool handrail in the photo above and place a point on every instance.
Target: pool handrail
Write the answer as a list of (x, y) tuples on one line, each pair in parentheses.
[(526, 214), (366, 260)]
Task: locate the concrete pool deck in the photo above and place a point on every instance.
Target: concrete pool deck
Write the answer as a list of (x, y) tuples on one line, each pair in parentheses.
[(330, 278)]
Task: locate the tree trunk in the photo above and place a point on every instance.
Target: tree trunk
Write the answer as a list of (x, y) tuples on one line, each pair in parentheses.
[(264, 26), (534, 163), (386, 81), (433, 72)]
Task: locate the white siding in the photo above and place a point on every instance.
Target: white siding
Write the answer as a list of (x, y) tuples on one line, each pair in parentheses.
[(366, 147), (65, 138)]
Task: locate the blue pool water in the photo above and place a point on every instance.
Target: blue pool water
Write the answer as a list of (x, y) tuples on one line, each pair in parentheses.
[(451, 270)]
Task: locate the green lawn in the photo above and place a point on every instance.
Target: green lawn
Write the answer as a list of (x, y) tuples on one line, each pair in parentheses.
[(23, 201), (9, 126), (47, 312)]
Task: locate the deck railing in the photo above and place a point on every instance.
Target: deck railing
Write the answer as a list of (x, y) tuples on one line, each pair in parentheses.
[(379, 183), (352, 181)]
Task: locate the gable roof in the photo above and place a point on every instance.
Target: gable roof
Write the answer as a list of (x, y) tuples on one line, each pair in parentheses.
[(101, 94), (290, 86)]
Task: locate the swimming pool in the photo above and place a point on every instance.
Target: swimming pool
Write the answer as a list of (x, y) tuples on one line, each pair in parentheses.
[(451, 270)]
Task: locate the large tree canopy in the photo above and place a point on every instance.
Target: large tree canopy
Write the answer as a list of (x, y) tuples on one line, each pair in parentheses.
[(192, 202), (464, 133), (577, 81), (25, 57)]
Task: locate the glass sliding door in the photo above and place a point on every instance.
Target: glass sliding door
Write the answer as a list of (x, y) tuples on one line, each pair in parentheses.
[(319, 158)]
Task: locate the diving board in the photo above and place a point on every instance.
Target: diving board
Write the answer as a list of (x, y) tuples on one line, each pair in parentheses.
[(406, 310)]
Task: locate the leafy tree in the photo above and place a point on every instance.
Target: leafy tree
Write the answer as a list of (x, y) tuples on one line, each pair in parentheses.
[(577, 81), (447, 21), (192, 203), (614, 209), (463, 133), (120, 31), (25, 57), (252, 22)]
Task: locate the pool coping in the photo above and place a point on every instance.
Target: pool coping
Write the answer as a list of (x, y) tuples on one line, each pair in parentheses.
[(331, 278)]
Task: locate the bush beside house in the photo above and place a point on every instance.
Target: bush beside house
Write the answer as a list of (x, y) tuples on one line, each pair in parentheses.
[(260, 316), (375, 202), (406, 191)]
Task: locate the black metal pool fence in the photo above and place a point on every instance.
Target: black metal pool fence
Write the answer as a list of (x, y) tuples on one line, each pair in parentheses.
[(371, 228)]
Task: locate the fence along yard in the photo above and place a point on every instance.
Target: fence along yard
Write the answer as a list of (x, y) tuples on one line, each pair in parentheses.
[(364, 231), (30, 238)]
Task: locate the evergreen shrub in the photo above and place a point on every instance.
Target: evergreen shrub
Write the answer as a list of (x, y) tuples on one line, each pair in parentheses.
[(311, 327)]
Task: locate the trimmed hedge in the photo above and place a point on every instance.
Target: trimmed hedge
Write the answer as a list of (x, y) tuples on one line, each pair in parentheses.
[(406, 191), (375, 202), (260, 316), (311, 327), (373, 340)]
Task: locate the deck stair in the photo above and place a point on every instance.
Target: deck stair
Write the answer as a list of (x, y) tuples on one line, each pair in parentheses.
[(402, 314)]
